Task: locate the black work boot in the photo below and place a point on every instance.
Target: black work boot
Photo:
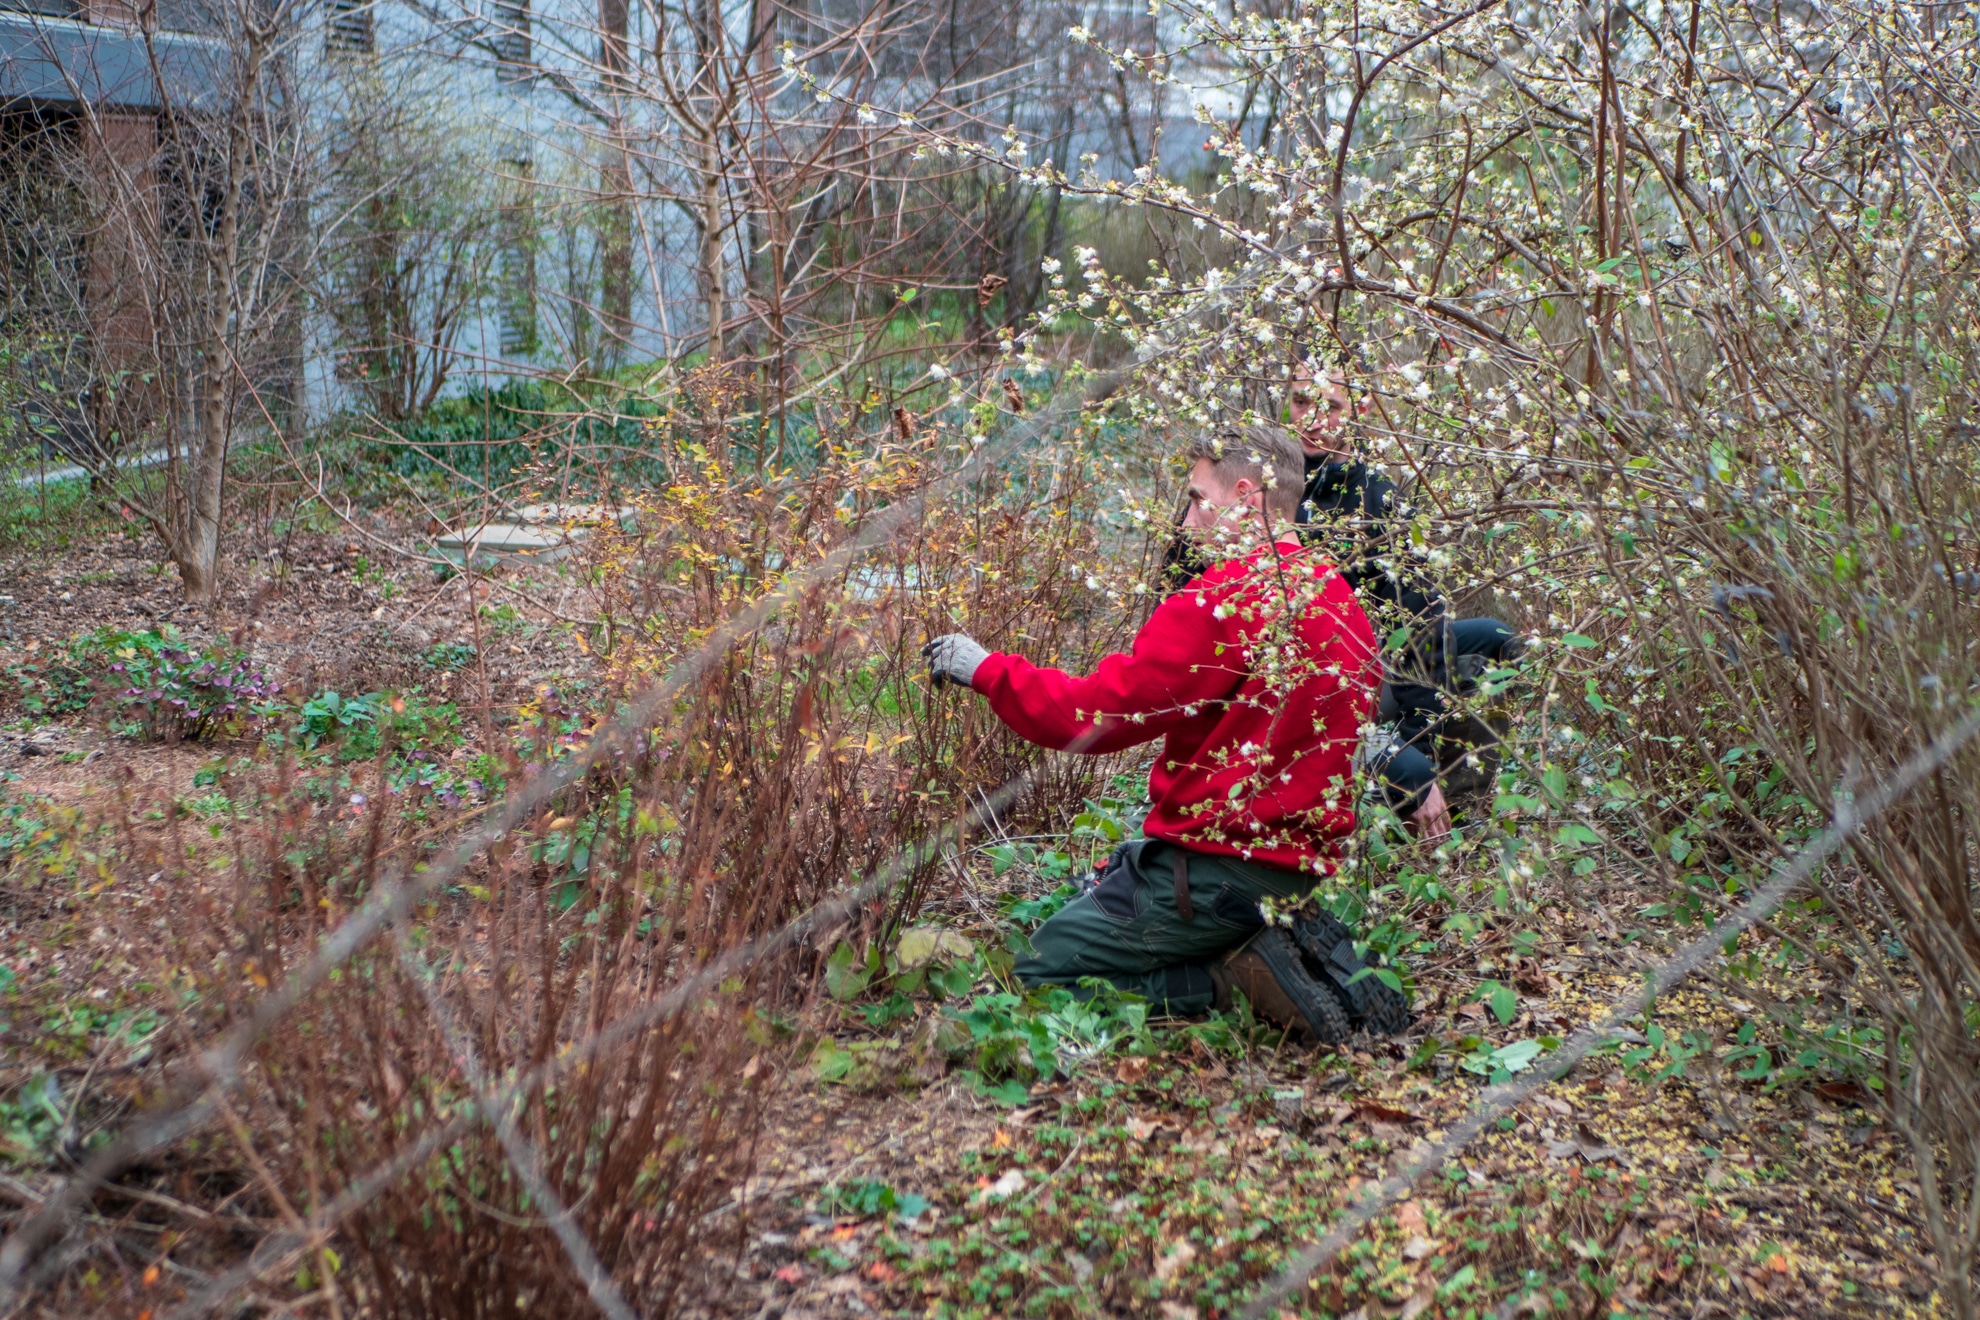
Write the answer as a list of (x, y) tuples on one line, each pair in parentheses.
[(1267, 969), (1469, 752), (1327, 947)]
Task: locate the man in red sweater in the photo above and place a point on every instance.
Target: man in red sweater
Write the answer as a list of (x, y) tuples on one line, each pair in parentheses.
[(1258, 677)]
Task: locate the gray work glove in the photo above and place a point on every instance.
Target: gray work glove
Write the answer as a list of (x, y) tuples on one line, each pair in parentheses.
[(953, 658)]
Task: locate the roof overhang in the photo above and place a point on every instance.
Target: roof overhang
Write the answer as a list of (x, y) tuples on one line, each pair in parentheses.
[(58, 61)]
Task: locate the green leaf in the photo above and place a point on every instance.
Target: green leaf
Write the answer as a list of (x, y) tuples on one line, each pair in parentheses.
[(1578, 641), (1426, 1051), (1516, 1056), (1010, 1091), (1554, 780), (953, 982), (844, 976), (829, 1062), (1457, 1281), (1505, 1004)]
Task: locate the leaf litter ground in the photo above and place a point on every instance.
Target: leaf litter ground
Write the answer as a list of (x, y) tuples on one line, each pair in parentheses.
[(1173, 1185)]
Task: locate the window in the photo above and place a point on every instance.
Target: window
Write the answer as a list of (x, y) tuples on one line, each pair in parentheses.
[(46, 8), (516, 290), (510, 24), (351, 30)]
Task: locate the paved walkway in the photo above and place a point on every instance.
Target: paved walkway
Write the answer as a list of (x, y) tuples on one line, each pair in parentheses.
[(73, 471)]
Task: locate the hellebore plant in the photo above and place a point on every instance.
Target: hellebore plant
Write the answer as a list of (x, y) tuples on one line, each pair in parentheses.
[(173, 693)]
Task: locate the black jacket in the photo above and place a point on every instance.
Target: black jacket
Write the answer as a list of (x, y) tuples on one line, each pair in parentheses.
[(1349, 509)]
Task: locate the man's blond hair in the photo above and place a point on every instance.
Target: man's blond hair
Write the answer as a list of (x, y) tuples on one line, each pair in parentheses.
[(1251, 452)]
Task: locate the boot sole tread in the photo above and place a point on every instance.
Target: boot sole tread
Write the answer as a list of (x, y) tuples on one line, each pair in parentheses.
[(1329, 946)]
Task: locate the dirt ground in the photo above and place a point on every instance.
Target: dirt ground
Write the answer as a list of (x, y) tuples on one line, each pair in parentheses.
[(314, 610), (1705, 1197), (1146, 1185)]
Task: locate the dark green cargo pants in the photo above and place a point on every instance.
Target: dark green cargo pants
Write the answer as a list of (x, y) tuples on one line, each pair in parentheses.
[(1130, 929)]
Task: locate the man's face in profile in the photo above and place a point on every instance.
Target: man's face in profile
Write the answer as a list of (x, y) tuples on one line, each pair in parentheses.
[(1216, 505), (1319, 409)]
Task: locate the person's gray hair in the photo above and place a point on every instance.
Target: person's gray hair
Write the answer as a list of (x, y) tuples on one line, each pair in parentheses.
[(1239, 452)]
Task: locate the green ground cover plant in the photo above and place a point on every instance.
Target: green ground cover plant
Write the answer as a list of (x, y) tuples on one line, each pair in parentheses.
[(149, 684)]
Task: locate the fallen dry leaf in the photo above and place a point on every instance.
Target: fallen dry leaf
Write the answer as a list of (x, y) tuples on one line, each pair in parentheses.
[(1131, 1070), (1009, 1185), (1141, 1129), (1418, 1247), (1534, 980), (1587, 1145), (1409, 1217), (1179, 1254), (1375, 1110)]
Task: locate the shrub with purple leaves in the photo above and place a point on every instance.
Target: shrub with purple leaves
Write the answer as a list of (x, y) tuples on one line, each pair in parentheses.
[(166, 691)]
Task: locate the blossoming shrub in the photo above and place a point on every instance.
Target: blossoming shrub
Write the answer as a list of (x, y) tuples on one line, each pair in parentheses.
[(822, 727), (1663, 320)]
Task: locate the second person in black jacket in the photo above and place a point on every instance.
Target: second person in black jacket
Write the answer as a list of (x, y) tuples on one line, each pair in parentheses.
[(1356, 511)]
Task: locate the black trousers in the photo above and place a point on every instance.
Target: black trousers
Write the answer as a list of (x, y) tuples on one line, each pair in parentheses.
[(1416, 700)]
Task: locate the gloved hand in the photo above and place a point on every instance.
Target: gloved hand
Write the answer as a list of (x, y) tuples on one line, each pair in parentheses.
[(953, 658)]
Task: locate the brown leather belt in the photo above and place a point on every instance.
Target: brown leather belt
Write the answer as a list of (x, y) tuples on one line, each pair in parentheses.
[(1180, 864)]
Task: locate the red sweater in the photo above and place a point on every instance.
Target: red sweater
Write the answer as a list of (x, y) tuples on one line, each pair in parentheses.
[(1260, 707)]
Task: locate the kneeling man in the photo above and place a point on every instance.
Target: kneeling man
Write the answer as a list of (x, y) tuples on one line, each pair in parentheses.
[(1258, 677)]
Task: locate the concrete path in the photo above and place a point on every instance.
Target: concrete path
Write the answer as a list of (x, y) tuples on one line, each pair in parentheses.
[(75, 471)]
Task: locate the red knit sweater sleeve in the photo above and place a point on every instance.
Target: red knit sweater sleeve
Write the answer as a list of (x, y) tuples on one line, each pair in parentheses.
[(1184, 655)]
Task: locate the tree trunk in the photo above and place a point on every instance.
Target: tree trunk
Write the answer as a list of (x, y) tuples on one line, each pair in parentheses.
[(196, 541), (615, 258), (714, 254), (615, 182)]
